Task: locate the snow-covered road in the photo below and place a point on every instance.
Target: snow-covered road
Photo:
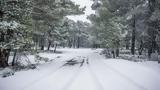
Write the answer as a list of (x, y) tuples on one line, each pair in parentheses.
[(96, 73)]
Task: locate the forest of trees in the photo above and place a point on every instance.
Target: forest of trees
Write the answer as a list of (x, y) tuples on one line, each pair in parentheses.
[(133, 24), (32, 25)]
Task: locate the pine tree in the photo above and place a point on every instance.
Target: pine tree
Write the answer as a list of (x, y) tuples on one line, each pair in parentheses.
[(52, 13), (14, 24)]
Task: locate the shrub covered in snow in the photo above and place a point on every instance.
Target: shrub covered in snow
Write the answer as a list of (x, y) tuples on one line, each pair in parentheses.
[(107, 53), (154, 57), (22, 67), (40, 59), (6, 72), (125, 52), (135, 58)]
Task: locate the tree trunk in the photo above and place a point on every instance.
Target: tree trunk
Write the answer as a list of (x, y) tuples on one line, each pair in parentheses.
[(49, 45), (14, 57), (74, 43), (36, 46), (152, 47), (4, 53), (127, 46), (69, 43), (113, 54), (42, 42), (152, 44), (140, 48), (140, 51), (133, 37), (55, 47), (78, 42), (151, 31), (79, 32), (158, 50), (42, 47), (9, 50), (117, 52), (1, 14), (149, 52)]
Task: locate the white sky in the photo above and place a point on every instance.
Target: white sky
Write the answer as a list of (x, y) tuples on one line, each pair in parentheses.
[(82, 3)]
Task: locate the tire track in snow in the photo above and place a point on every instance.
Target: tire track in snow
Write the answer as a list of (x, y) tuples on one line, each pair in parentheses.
[(92, 75), (72, 79), (77, 74), (62, 67), (100, 86), (121, 75), (41, 78), (72, 74)]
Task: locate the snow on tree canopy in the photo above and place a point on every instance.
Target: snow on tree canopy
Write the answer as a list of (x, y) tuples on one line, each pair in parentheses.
[(9, 25)]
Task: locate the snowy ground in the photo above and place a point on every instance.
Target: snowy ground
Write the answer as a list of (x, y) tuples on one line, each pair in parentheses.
[(96, 73)]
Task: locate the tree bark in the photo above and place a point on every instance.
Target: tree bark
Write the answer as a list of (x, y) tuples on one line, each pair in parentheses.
[(133, 37), (74, 42), (117, 52), (78, 42), (42, 41), (127, 45), (153, 46), (158, 50), (42, 47), (55, 47), (14, 57), (9, 50), (49, 45), (4, 53), (113, 54), (151, 31), (69, 43), (140, 48)]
